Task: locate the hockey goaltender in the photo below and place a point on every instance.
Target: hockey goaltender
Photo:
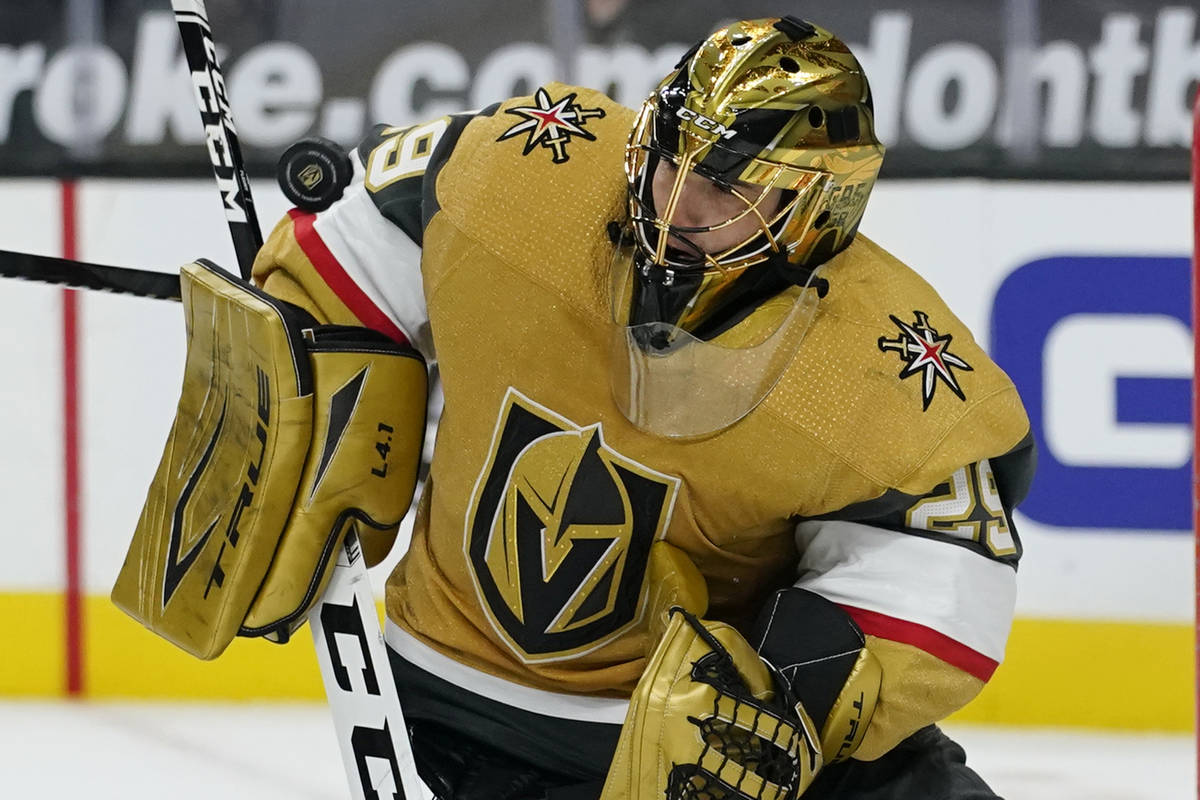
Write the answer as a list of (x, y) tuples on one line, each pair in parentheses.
[(720, 503)]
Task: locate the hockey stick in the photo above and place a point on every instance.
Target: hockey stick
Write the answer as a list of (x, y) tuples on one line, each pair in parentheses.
[(82, 275), (368, 720), (224, 152)]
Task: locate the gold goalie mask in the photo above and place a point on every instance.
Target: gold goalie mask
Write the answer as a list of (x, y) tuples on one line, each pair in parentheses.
[(749, 168)]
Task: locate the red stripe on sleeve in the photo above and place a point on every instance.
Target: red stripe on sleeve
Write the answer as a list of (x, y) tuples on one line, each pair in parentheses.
[(936, 644), (336, 278)]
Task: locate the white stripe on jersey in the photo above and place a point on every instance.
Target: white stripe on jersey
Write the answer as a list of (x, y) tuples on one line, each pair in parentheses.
[(379, 258), (582, 708), (941, 586)]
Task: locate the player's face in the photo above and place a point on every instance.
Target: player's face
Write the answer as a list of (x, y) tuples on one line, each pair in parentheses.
[(703, 203)]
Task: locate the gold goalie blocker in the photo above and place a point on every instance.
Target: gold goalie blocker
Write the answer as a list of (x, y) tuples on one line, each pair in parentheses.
[(287, 436)]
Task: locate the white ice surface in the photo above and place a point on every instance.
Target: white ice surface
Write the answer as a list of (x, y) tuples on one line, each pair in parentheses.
[(51, 750)]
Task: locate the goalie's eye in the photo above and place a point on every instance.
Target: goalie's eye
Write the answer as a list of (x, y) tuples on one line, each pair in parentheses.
[(713, 177), (713, 181)]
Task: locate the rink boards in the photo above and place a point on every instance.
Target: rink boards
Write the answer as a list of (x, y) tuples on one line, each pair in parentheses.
[(1080, 291)]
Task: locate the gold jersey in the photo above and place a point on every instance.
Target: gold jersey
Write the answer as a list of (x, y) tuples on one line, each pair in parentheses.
[(528, 557)]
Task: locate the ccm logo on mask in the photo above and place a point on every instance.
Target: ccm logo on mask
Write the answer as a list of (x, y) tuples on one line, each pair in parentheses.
[(706, 123)]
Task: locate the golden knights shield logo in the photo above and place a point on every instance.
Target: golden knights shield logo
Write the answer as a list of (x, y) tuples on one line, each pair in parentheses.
[(558, 533)]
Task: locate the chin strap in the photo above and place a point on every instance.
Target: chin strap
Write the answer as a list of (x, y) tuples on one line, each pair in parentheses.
[(796, 274), (754, 287), (664, 298)]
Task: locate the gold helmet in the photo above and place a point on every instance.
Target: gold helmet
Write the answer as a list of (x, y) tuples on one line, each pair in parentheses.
[(778, 113), (767, 129)]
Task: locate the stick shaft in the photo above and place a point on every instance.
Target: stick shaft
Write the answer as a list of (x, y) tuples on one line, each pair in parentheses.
[(82, 275), (224, 152), (358, 679), (367, 716)]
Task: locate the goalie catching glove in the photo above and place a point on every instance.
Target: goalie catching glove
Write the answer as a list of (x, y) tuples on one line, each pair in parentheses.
[(287, 437), (714, 719)]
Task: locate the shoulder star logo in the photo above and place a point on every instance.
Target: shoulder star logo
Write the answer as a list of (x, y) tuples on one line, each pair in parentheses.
[(551, 124), (924, 351)]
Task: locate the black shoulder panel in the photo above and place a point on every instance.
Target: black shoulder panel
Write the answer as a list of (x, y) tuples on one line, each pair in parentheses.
[(373, 139), (1011, 473), (1014, 471), (441, 154), (880, 507), (399, 202), (417, 153)]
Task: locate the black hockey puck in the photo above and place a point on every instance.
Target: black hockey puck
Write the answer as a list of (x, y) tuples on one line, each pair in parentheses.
[(313, 173)]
